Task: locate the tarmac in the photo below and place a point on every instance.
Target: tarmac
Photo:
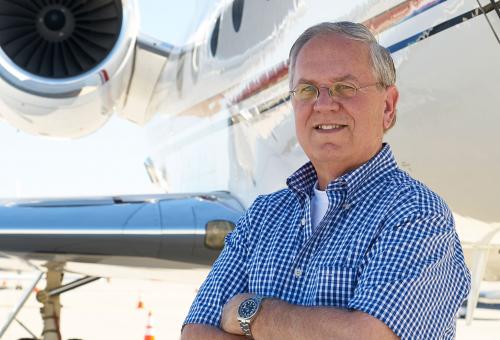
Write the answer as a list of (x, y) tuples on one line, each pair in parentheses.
[(107, 309)]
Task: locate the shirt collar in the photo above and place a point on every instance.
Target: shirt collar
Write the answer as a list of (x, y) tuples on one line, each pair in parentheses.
[(354, 182)]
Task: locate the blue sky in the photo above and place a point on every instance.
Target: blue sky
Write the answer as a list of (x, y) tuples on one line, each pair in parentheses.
[(109, 161)]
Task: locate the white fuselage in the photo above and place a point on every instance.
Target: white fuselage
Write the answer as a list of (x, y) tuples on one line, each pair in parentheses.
[(240, 134)]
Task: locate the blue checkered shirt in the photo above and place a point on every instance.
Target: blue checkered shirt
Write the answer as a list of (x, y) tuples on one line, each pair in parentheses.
[(386, 246)]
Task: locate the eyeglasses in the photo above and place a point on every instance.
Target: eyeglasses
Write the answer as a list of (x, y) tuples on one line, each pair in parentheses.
[(309, 92)]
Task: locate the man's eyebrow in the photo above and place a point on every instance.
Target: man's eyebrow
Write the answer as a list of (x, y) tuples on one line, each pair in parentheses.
[(343, 78), (305, 81), (331, 80)]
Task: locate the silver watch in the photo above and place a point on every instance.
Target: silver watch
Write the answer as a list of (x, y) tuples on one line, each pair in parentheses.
[(247, 311)]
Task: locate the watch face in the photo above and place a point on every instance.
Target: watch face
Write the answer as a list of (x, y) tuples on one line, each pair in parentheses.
[(247, 308)]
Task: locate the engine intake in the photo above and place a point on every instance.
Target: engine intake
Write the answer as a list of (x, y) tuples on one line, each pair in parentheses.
[(59, 39), (65, 65)]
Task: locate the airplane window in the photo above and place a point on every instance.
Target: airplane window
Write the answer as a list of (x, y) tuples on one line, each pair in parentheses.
[(237, 14), (215, 37)]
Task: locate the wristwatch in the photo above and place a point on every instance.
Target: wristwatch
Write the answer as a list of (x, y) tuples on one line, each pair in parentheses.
[(247, 311)]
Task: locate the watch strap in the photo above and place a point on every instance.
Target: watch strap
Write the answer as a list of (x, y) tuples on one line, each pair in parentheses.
[(245, 327), (245, 323)]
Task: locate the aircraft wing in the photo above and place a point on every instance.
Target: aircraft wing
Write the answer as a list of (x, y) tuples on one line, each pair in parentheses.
[(148, 237), (155, 231)]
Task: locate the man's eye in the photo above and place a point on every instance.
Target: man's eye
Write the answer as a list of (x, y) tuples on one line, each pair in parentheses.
[(308, 89), (346, 90)]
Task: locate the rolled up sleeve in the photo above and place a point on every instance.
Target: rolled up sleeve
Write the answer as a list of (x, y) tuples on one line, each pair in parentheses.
[(414, 278)]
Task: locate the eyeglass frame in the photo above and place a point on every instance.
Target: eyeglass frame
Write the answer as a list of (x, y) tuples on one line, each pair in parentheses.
[(330, 92)]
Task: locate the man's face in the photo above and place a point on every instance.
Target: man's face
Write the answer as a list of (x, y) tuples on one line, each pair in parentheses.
[(322, 61)]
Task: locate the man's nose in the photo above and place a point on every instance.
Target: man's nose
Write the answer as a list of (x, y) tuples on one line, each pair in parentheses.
[(325, 101)]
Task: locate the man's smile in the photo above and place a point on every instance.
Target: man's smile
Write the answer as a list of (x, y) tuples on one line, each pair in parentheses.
[(329, 127)]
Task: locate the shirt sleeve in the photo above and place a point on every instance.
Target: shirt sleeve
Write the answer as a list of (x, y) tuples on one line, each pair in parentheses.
[(227, 277), (414, 278)]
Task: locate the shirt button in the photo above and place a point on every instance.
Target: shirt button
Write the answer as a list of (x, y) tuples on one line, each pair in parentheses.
[(346, 206), (297, 272), (303, 221)]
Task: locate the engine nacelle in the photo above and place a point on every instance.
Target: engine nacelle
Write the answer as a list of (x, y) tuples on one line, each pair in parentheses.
[(65, 66)]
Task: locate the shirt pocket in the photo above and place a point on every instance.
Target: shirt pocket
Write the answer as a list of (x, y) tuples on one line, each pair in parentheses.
[(335, 285)]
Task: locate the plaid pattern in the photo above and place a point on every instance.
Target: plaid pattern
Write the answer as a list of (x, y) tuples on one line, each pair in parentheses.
[(386, 246)]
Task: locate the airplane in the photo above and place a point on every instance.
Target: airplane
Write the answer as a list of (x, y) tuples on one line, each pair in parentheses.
[(218, 115)]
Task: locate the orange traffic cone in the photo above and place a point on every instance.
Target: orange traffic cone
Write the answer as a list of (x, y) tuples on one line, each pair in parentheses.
[(140, 304), (149, 329)]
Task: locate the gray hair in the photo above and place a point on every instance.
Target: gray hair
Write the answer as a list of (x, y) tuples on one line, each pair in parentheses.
[(383, 65)]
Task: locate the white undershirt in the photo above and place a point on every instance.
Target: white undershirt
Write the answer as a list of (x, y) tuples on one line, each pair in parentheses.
[(319, 205)]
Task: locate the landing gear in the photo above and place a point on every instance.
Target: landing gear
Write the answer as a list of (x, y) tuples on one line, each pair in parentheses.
[(49, 297), (51, 310)]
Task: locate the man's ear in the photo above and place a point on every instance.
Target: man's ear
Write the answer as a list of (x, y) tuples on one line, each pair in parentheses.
[(391, 101)]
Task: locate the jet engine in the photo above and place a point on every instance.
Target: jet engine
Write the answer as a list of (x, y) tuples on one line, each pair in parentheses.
[(65, 65)]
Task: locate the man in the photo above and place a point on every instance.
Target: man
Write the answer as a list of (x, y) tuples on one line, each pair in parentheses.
[(354, 248)]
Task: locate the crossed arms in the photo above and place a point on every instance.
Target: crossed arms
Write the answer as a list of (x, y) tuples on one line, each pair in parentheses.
[(280, 320)]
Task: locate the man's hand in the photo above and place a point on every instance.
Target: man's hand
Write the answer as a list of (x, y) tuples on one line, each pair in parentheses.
[(229, 322)]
